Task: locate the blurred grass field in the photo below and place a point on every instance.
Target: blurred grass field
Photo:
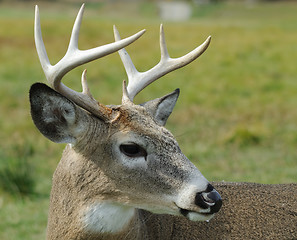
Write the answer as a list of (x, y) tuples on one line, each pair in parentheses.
[(236, 117)]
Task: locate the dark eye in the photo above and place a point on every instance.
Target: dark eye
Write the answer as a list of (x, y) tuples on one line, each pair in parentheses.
[(133, 150)]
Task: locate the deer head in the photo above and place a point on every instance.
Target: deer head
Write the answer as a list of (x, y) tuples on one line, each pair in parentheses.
[(117, 157)]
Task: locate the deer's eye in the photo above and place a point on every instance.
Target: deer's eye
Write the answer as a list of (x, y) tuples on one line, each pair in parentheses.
[(133, 150)]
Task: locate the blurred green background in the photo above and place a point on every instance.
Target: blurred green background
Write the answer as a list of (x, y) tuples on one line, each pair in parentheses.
[(236, 117)]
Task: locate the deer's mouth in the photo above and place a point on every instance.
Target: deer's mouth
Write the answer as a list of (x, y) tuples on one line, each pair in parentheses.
[(196, 216)]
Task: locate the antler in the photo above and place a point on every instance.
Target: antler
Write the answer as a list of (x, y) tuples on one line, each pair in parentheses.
[(73, 58), (139, 80)]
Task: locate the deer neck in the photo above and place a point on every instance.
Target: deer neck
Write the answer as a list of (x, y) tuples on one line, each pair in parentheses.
[(108, 217), (82, 206)]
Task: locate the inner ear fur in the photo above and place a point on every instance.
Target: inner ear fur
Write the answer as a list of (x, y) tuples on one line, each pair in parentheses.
[(56, 117), (161, 108)]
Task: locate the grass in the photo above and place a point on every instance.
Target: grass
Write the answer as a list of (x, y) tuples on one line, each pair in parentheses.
[(235, 119), (16, 172)]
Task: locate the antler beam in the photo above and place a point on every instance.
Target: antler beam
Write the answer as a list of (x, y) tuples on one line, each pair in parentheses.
[(139, 80), (73, 58)]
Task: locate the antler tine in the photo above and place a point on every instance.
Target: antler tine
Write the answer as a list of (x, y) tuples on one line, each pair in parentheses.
[(139, 80), (163, 47), (41, 51), (128, 64), (73, 58)]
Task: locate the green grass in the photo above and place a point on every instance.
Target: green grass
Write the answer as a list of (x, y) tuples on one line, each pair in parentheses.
[(16, 172), (236, 116)]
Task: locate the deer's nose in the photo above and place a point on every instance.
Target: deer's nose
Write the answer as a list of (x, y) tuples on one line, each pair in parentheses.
[(209, 199)]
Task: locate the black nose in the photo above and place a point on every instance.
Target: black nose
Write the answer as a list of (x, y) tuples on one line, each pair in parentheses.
[(209, 199)]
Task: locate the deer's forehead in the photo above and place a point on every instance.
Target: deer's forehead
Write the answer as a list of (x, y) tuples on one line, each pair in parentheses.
[(135, 117), (138, 121)]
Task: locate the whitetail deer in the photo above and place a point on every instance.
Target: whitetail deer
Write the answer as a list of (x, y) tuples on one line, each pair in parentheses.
[(121, 170)]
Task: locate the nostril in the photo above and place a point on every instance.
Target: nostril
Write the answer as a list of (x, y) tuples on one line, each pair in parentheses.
[(215, 208), (200, 201)]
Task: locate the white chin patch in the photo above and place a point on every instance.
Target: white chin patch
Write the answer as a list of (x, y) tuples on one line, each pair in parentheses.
[(107, 217), (199, 217)]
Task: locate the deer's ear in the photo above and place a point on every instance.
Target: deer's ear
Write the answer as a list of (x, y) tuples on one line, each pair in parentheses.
[(56, 117), (161, 108)]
